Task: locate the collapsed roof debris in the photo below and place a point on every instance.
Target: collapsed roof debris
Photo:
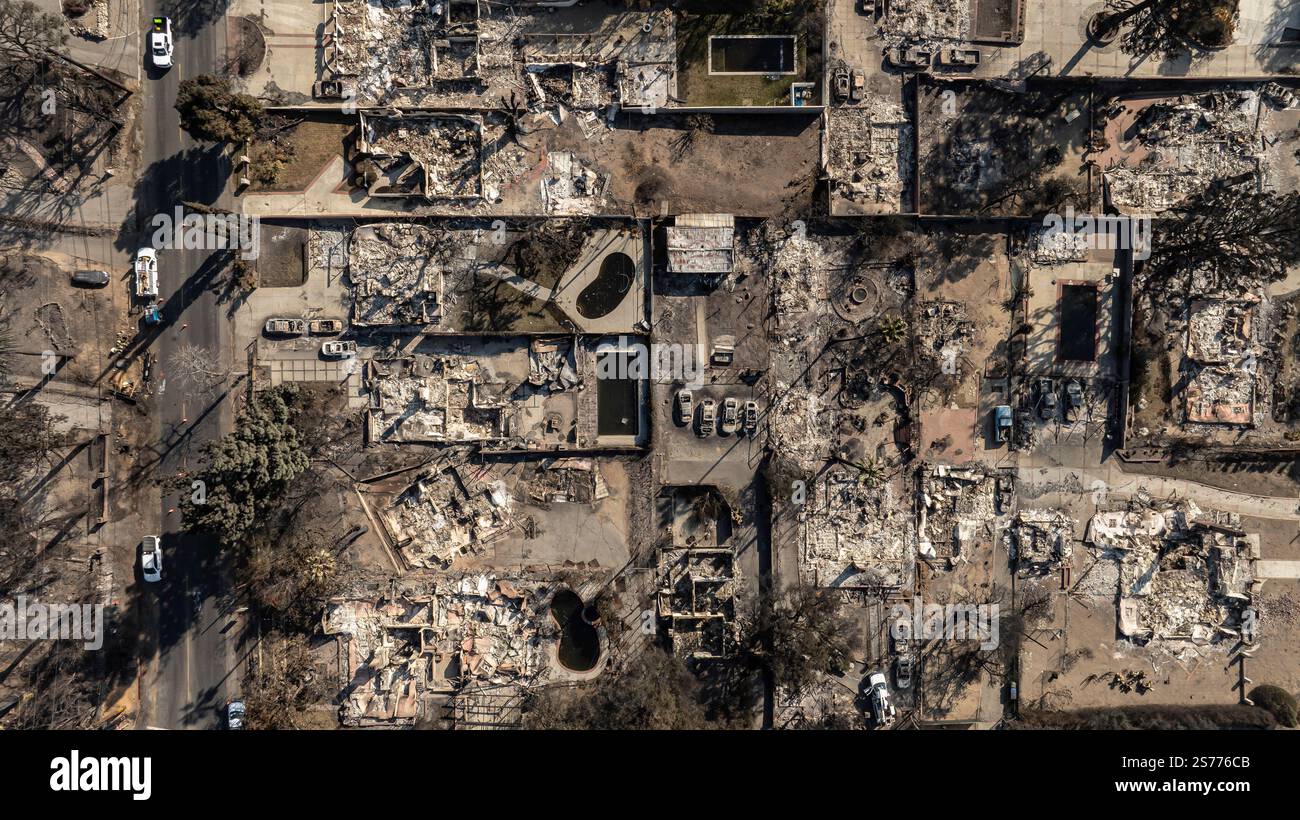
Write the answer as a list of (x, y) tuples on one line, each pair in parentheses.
[(435, 156), (1219, 330), (395, 44), (560, 480), (926, 21), (1042, 539), (462, 52), (860, 536), (1184, 574), (447, 515), (696, 601), (570, 187), (399, 653), (701, 243), (396, 271), (870, 157), (943, 331), (1185, 145), (956, 509), (452, 398), (1222, 362)]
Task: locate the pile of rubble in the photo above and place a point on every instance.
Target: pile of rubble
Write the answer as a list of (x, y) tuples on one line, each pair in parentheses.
[(943, 333), (696, 601), (440, 518), (396, 273), (926, 21), (799, 267), (859, 533), (1184, 574), (390, 45), (1189, 144), (1219, 330), (435, 399), (1051, 246), (560, 480), (870, 157), (956, 508), (1042, 539), (434, 156), (399, 651), (1222, 361), (570, 187)]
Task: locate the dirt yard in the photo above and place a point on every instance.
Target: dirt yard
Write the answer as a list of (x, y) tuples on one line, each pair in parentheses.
[(747, 166)]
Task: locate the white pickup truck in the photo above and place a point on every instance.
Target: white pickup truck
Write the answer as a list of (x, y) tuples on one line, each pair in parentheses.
[(146, 273)]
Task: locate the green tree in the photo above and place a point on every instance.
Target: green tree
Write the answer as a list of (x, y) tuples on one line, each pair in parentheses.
[(210, 110), (247, 471)]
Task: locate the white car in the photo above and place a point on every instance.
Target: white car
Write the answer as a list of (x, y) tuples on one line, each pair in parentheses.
[(339, 350), (882, 706), (235, 714), (151, 558), (160, 42)]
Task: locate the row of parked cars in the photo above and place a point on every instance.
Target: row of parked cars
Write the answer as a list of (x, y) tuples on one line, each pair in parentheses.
[(734, 416), (335, 349)]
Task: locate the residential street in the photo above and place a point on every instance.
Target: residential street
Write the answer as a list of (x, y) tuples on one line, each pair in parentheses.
[(190, 682)]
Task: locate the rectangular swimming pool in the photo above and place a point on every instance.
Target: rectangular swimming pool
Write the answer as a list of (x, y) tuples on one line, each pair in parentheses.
[(1078, 342), (752, 54)]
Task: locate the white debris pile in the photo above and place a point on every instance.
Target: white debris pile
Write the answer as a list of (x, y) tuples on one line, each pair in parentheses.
[(435, 156), (464, 631), (1043, 539), (930, 21), (1219, 330), (943, 333), (1190, 143), (957, 506), (858, 533), (396, 273), (802, 427), (870, 157), (570, 186), (1184, 574), (435, 399), (799, 267), (1057, 247), (434, 521)]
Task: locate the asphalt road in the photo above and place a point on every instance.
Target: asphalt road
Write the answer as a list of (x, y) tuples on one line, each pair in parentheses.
[(191, 678)]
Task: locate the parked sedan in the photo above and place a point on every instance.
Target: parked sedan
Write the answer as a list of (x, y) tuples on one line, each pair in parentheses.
[(151, 558), (235, 714)]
